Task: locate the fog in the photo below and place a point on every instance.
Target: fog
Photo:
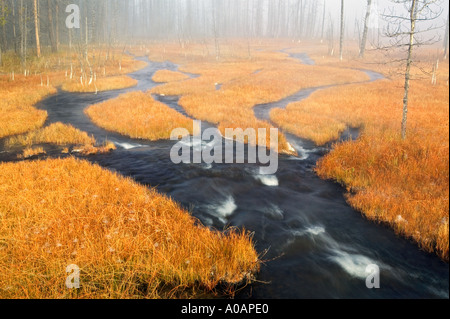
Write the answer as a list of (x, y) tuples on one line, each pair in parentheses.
[(300, 19), (108, 21)]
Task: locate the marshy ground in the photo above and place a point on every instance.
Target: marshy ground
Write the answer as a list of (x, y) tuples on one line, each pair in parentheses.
[(141, 227)]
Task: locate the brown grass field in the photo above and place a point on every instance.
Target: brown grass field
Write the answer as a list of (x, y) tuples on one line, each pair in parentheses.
[(139, 116), (129, 241)]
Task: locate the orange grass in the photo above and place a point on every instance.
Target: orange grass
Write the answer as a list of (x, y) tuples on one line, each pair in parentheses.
[(404, 183), (264, 79), (17, 114), (165, 76), (138, 115), (62, 135), (32, 151), (102, 149), (127, 240), (104, 62), (57, 133), (101, 84), (401, 183)]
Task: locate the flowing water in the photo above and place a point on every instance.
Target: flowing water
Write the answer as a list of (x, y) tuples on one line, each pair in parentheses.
[(315, 244)]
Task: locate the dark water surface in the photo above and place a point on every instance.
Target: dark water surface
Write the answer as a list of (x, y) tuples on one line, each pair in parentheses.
[(317, 245)]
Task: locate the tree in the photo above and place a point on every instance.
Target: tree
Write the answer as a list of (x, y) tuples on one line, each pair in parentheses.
[(36, 27), (341, 41), (413, 18), (3, 15), (362, 50), (23, 33), (51, 27), (323, 20), (446, 37), (216, 40), (403, 31)]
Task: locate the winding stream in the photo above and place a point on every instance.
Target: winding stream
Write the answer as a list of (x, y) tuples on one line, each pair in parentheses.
[(317, 245)]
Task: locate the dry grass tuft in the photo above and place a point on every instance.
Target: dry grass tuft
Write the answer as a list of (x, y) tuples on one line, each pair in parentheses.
[(129, 241), (17, 114), (57, 133), (93, 150), (165, 76), (138, 115), (31, 151), (101, 84), (62, 135)]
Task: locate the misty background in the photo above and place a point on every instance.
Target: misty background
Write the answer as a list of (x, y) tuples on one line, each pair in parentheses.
[(128, 21)]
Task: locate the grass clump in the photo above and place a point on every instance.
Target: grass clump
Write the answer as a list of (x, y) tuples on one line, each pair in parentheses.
[(404, 184), (138, 115), (99, 85), (165, 76), (127, 240), (57, 133), (32, 151), (17, 114)]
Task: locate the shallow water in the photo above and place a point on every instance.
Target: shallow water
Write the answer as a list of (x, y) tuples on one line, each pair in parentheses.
[(316, 245)]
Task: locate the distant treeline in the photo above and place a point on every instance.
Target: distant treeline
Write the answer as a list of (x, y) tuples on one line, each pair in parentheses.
[(106, 21)]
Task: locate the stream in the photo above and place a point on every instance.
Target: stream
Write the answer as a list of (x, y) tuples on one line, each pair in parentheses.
[(316, 245)]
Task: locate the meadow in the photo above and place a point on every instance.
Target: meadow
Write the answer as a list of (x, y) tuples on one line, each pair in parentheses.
[(21, 87), (132, 242), (139, 116), (17, 104), (128, 240), (245, 81), (59, 134), (400, 183)]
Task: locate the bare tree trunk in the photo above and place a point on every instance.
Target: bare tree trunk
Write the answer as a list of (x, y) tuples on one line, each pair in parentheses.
[(25, 39), (14, 26), (22, 33), (446, 38), (341, 42), (216, 40), (331, 37), (362, 51), (36, 27), (408, 66), (70, 39), (3, 43), (57, 24), (51, 27), (323, 20)]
